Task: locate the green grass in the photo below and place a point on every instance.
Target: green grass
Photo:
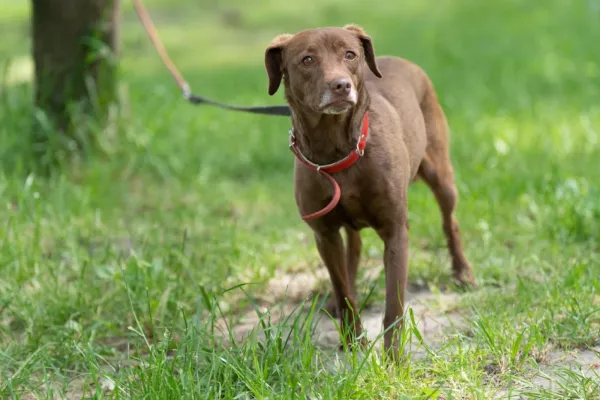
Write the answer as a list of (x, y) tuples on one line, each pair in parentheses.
[(117, 269)]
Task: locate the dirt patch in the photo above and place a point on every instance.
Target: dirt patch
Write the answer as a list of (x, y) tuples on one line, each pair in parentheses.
[(585, 362), (287, 298), (436, 314), (78, 388), (560, 370)]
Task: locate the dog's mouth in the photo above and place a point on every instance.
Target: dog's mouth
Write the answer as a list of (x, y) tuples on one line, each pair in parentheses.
[(332, 103), (337, 106)]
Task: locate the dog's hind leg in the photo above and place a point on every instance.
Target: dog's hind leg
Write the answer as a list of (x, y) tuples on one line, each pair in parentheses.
[(436, 170)]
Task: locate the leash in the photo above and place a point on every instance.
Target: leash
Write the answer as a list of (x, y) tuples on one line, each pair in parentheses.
[(337, 166), (144, 16)]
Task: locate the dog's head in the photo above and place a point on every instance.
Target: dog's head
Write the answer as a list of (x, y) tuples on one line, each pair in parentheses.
[(322, 68)]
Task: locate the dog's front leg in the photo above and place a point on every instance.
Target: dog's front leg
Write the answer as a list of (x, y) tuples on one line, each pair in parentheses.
[(331, 249), (395, 259)]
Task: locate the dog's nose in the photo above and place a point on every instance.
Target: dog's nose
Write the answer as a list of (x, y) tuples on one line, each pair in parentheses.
[(341, 86)]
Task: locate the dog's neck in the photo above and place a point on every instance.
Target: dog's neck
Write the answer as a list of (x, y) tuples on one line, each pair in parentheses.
[(326, 138)]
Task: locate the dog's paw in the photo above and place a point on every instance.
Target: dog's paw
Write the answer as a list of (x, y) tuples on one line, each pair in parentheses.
[(331, 308), (354, 345), (465, 279)]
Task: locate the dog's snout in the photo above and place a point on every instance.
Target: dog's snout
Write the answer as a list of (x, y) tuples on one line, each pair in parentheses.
[(341, 86)]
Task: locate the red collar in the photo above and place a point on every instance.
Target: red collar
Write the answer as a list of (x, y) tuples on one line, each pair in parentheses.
[(337, 166)]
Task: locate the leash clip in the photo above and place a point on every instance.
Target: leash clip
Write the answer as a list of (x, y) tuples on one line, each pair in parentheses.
[(185, 89)]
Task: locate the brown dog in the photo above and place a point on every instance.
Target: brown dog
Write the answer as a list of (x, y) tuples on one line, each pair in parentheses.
[(329, 90)]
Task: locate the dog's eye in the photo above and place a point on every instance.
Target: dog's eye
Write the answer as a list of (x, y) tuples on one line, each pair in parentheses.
[(307, 60), (350, 55)]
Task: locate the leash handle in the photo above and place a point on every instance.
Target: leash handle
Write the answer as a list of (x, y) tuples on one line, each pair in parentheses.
[(144, 16)]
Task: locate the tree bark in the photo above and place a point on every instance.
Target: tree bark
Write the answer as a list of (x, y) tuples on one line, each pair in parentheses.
[(74, 52)]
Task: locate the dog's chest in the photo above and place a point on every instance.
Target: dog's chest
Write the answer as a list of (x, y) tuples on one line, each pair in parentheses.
[(352, 210), (369, 197)]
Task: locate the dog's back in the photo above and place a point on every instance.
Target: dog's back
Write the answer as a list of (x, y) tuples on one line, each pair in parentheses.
[(398, 74), (406, 89)]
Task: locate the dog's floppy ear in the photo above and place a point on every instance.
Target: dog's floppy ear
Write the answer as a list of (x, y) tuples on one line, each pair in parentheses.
[(367, 45), (273, 61)]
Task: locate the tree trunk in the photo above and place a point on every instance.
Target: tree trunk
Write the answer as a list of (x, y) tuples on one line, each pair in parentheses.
[(74, 48)]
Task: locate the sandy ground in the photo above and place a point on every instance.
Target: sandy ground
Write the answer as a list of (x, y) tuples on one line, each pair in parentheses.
[(436, 314)]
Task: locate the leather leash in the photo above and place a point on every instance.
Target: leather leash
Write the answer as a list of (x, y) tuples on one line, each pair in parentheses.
[(337, 166), (144, 16)]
